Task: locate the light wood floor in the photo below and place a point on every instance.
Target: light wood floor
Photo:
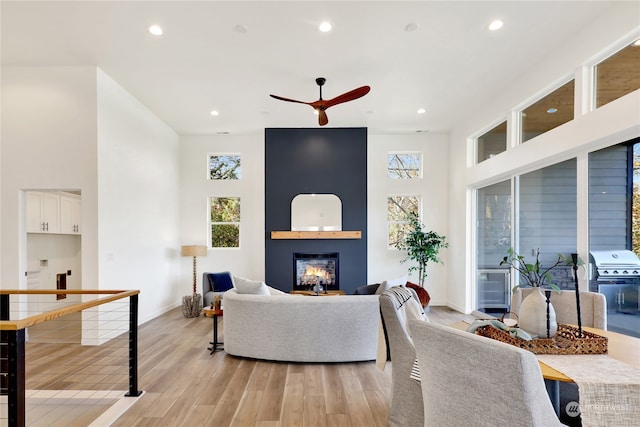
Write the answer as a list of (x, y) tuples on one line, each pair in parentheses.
[(186, 386)]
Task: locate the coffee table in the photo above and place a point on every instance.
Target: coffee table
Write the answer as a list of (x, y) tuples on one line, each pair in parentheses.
[(215, 344)]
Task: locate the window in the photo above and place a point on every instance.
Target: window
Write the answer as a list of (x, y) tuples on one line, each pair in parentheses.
[(547, 216), (549, 112), (225, 222), (494, 224), (398, 208), (224, 166), (618, 75), (635, 199), (614, 212), (404, 165), (493, 240), (492, 143)]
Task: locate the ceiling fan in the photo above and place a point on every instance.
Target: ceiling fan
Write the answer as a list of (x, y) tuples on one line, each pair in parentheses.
[(322, 104)]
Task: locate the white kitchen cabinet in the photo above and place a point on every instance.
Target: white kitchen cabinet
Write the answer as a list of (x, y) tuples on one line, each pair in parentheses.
[(53, 212), (70, 208), (43, 212)]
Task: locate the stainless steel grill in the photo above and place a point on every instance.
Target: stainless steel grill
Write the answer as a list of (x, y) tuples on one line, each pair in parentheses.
[(616, 274), (615, 264)]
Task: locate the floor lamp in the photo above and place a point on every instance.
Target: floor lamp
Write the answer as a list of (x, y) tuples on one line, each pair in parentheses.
[(192, 304)]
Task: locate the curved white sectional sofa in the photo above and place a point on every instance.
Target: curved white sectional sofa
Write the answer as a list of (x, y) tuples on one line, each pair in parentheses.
[(298, 328)]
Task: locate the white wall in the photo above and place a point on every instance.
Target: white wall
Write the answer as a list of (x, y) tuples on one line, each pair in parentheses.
[(611, 124), (54, 121), (48, 142), (248, 260), (385, 263), (139, 200)]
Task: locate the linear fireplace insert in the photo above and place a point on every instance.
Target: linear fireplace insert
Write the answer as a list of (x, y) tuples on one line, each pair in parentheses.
[(315, 269)]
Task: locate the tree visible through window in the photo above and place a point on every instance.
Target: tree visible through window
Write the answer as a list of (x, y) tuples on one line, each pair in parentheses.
[(404, 165), (398, 209), (224, 166), (635, 210), (225, 222)]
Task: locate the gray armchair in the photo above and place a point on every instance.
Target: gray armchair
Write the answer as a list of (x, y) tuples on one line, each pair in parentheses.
[(398, 305), (469, 380), (593, 307), (215, 284)]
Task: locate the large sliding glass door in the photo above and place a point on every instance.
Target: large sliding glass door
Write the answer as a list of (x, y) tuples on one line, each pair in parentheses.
[(614, 214), (547, 217), (545, 221)]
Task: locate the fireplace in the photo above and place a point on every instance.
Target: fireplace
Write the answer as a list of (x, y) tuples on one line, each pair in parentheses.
[(320, 269)]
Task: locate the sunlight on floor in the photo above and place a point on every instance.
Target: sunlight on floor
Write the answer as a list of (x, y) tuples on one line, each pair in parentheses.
[(66, 408)]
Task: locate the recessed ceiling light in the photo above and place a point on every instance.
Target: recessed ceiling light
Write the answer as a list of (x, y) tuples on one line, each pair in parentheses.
[(242, 29), (496, 25), (411, 27), (325, 26), (552, 110), (214, 112), (156, 30), (421, 111)]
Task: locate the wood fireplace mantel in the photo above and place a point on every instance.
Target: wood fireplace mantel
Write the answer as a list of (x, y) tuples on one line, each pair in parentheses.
[(316, 235)]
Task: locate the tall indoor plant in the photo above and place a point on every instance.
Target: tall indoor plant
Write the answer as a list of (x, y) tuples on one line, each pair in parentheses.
[(422, 247)]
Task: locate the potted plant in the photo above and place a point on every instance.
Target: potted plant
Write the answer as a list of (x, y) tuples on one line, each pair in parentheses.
[(536, 314), (534, 275), (422, 247)]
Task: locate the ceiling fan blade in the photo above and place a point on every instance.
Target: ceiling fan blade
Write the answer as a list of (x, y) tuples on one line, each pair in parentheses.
[(289, 99), (322, 117), (348, 96), (321, 105)]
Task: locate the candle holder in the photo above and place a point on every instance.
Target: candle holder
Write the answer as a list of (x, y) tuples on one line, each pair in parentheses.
[(547, 294), (574, 258)]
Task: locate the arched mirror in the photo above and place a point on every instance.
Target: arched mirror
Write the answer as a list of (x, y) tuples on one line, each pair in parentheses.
[(316, 212)]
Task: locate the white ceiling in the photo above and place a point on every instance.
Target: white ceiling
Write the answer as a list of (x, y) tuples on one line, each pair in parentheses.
[(449, 65)]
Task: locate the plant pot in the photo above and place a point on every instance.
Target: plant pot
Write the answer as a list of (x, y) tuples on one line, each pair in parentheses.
[(533, 315), (192, 305)]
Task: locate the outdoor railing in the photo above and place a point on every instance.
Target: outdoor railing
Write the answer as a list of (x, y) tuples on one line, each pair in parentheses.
[(13, 336)]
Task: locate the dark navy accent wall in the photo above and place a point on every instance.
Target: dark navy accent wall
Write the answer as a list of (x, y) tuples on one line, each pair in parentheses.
[(323, 160)]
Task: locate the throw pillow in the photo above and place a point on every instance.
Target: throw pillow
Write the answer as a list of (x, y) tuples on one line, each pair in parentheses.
[(423, 295), (220, 282), (246, 286), (366, 289), (388, 284)]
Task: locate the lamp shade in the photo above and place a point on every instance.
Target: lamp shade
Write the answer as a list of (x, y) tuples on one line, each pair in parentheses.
[(194, 250)]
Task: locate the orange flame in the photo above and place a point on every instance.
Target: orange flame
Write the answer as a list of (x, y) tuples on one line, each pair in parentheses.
[(315, 271)]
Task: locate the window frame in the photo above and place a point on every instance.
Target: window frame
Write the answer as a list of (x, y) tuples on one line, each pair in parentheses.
[(211, 223), (594, 72), (547, 92), (486, 131), (406, 152), (418, 198), (221, 154)]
